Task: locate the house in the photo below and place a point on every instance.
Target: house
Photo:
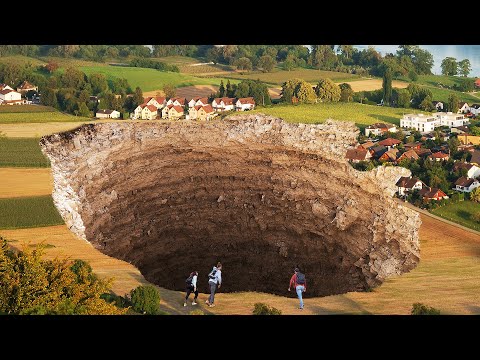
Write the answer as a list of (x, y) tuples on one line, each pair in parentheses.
[(149, 112), (379, 129), (438, 105), (460, 130), (198, 101), (475, 157), (175, 112), (11, 97), (475, 109), (477, 83), (463, 107), (473, 171), (177, 101), (450, 119), (465, 184), (366, 145), (357, 155), (469, 139), (438, 156), (158, 101), (201, 112), (389, 156), (413, 146), (377, 151), (26, 86), (94, 99), (389, 143), (5, 87), (409, 154), (223, 104), (432, 194), (243, 104), (469, 148), (107, 114), (423, 153), (408, 184), (419, 122)]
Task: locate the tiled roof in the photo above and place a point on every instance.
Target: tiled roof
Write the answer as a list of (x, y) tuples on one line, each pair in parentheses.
[(356, 154), (464, 181)]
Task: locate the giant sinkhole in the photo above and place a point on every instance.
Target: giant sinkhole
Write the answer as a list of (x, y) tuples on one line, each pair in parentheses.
[(258, 194)]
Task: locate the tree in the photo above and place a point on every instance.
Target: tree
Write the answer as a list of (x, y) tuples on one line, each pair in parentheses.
[(449, 66), (289, 63), (83, 110), (412, 75), (387, 87), (475, 195), (228, 89), (169, 90), (466, 85), (323, 57), (49, 98), (266, 63), (453, 144), (51, 67), (475, 130), (403, 98), (98, 82), (328, 91), (453, 103), (73, 78), (243, 63), (426, 104), (291, 87), (464, 67), (305, 93), (346, 92), (221, 89), (30, 284), (145, 299)]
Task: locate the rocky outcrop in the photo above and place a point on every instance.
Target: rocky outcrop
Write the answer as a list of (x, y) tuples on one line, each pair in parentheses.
[(257, 193)]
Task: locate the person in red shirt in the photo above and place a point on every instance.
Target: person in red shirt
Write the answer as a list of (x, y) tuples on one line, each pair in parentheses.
[(299, 283)]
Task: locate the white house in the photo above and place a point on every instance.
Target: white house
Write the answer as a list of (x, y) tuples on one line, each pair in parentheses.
[(465, 184), (473, 171), (198, 101), (223, 104), (243, 104), (10, 97), (5, 87), (450, 119), (149, 112), (107, 114), (475, 109), (407, 184), (419, 122), (438, 105), (176, 101), (158, 101), (463, 107), (379, 129)]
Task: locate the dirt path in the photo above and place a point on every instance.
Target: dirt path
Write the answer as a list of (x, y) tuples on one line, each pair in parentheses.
[(16, 182)]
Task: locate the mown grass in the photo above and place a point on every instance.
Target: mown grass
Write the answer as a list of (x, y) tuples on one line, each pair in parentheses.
[(363, 115), (26, 109), (278, 77), (150, 79), (38, 117), (443, 94), (438, 80), (460, 213), (20, 60), (21, 152), (28, 212)]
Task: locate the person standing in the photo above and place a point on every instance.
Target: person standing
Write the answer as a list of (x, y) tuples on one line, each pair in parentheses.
[(214, 280), (192, 287), (299, 283)]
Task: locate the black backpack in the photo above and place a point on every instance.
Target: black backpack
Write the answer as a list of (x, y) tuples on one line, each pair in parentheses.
[(211, 276), (188, 281), (300, 278)]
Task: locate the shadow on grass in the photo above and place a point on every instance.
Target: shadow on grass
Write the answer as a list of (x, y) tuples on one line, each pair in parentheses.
[(351, 308)]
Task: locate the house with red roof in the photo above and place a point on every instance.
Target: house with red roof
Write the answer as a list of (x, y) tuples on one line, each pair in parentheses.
[(379, 129), (223, 104), (409, 154), (389, 143), (200, 112), (389, 156), (243, 104), (5, 87), (158, 101), (107, 114), (26, 86), (408, 184), (428, 194), (473, 171), (177, 101), (10, 97), (198, 101), (438, 156), (465, 184), (175, 112), (357, 155)]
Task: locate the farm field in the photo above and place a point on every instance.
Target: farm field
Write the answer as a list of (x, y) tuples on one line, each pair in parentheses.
[(21, 152), (26, 109), (36, 130), (38, 117), (443, 94), (374, 84), (278, 77), (150, 79), (446, 278), (19, 182), (363, 115), (460, 213), (28, 212)]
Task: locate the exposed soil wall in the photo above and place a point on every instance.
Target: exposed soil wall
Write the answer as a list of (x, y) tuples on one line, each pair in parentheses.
[(256, 193)]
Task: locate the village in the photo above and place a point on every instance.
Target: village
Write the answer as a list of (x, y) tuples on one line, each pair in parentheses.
[(439, 149)]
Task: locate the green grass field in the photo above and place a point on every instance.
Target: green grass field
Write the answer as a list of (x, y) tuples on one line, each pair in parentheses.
[(150, 79), (38, 117), (278, 77), (21, 152), (28, 212), (362, 115), (443, 94), (460, 213), (26, 109), (437, 80), (20, 60)]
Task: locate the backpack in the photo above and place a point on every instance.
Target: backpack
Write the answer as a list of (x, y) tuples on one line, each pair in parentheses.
[(189, 280), (300, 278), (212, 276)]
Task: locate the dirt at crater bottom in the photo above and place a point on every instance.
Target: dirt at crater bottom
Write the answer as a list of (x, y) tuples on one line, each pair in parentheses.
[(256, 193)]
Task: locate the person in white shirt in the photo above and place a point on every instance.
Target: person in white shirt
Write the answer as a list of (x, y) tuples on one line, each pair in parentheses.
[(192, 287), (214, 280)]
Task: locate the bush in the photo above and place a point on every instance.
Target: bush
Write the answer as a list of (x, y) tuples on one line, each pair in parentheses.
[(145, 299), (421, 309), (476, 217), (264, 309), (196, 312)]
